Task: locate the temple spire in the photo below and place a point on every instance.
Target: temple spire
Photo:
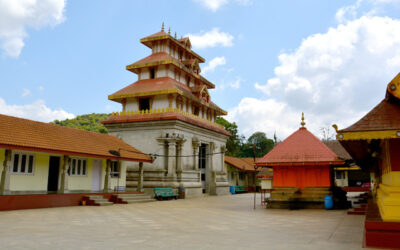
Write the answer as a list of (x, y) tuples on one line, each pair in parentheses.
[(302, 120), (162, 26), (169, 30), (175, 35)]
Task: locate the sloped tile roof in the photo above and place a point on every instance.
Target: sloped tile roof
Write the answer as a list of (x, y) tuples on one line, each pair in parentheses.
[(301, 147), (385, 116), (338, 149), (163, 117), (245, 164), (156, 57), (24, 134)]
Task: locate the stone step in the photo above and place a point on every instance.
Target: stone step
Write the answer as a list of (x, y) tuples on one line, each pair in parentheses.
[(94, 196), (135, 198), (132, 195), (104, 203), (140, 201)]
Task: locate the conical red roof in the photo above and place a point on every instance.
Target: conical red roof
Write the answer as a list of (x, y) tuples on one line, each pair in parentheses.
[(301, 147)]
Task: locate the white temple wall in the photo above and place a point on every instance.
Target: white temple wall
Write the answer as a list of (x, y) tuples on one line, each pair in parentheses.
[(145, 74), (131, 105), (160, 102), (161, 71)]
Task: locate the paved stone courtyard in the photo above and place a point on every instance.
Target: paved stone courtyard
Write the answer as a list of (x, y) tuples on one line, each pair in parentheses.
[(224, 222)]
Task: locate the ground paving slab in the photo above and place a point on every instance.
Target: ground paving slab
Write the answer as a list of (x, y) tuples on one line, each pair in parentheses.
[(210, 222)]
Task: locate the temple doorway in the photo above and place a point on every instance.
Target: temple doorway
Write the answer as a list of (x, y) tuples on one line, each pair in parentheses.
[(203, 165), (54, 167)]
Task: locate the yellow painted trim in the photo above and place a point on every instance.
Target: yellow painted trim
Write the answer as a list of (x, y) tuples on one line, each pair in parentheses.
[(158, 92), (365, 135), (395, 84), (388, 199), (166, 110), (348, 168)]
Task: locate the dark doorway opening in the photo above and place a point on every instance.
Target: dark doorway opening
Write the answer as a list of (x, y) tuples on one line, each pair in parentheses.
[(54, 167), (202, 165), (144, 103)]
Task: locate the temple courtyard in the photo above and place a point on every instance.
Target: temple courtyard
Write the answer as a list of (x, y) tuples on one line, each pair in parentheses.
[(210, 222)]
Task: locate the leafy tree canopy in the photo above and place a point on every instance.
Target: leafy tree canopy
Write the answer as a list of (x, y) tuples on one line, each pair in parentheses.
[(90, 122)]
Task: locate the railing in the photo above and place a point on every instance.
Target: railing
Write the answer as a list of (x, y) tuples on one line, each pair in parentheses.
[(165, 110)]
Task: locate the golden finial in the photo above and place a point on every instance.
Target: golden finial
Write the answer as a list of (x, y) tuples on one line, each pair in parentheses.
[(169, 30), (302, 120), (175, 35), (162, 26)]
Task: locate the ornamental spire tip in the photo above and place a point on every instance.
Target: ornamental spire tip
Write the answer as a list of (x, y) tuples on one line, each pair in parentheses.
[(162, 26), (302, 120)]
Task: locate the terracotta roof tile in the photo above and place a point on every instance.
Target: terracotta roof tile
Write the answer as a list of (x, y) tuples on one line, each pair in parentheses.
[(338, 149), (23, 134), (163, 116), (246, 164), (300, 147), (385, 116), (156, 57)]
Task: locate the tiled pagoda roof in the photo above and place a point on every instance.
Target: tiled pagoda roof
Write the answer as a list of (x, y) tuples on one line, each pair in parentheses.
[(165, 116), (164, 85), (300, 148), (23, 134)]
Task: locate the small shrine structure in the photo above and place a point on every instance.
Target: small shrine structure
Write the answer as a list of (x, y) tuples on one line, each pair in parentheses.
[(374, 142), (168, 113), (302, 173)]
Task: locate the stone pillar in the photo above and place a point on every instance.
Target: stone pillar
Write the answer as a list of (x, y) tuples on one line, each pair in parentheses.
[(107, 183), (64, 175), (211, 156), (171, 157), (179, 158), (5, 177), (223, 150), (140, 178), (195, 144)]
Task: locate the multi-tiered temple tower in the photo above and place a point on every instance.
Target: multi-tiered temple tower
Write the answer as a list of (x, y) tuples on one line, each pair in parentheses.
[(169, 112)]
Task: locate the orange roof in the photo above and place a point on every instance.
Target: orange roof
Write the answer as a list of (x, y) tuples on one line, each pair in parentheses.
[(385, 116), (22, 134), (245, 164), (301, 147), (156, 86), (156, 57), (161, 117)]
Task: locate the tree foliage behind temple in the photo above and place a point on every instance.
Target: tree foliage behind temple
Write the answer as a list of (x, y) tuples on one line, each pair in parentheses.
[(90, 122)]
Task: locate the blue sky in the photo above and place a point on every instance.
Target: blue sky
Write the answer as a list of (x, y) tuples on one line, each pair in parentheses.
[(270, 60)]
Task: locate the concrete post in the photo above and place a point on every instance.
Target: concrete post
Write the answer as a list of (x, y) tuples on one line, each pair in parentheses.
[(140, 178), (64, 175), (107, 177), (171, 157), (5, 177)]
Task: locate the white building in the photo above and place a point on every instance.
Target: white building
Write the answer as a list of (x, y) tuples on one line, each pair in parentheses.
[(168, 112)]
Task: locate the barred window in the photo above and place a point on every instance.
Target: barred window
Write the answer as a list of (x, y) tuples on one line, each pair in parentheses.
[(78, 167), (22, 163), (114, 172)]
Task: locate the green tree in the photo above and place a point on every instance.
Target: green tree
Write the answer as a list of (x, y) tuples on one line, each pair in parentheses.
[(262, 143), (90, 122), (234, 142)]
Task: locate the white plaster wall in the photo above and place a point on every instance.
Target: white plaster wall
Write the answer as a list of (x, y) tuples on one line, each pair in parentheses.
[(131, 105), (161, 71), (145, 74), (160, 101), (171, 72)]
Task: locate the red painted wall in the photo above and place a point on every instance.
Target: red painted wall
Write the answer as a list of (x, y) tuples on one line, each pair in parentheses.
[(301, 176), (394, 149)]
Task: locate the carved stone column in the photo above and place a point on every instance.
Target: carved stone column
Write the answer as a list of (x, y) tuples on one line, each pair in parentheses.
[(223, 150), (195, 144), (171, 157), (211, 156), (5, 177), (179, 158), (140, 178), (64, 175), (107, 177)]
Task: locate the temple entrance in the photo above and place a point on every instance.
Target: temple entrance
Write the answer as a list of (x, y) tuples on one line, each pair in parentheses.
[(203, 165), (96, 175), (54, 167)]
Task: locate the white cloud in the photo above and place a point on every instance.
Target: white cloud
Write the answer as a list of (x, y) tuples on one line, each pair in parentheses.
[(211, 38), (37, 111), (17, 15), (41, 88), (235, 84), (25, 92), (215, 62), (334, 77), (214, 5)]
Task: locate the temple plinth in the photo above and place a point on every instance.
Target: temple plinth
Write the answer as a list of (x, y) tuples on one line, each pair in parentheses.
[(302, 170)]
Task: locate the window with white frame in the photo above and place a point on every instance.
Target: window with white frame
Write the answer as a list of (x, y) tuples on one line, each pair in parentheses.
[(78, 167), (22, 163), (114, 171)]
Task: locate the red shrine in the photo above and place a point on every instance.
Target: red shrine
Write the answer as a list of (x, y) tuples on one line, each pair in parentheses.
[(300, 163)]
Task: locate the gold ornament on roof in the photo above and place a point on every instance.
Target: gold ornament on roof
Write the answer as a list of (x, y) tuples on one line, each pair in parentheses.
[(175, 35), (162, 27), (169, 30), (302, 120)]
